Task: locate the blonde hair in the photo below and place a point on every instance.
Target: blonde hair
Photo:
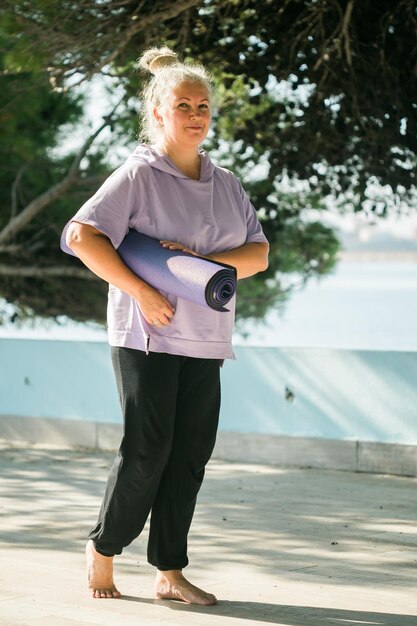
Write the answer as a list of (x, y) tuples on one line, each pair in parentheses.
[(168, 72)]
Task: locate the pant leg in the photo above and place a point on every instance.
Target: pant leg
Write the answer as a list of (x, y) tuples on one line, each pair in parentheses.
[(147, 386), (196, 422)]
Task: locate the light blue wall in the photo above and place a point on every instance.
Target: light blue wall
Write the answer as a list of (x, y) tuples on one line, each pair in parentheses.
[(334, 394), (337, 394), (63, 379)]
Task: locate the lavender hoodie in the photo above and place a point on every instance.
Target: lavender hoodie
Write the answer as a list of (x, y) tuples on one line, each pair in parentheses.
[(148, 193)]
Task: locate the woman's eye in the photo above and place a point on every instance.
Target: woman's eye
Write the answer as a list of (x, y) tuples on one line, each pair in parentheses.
[(185, 105)]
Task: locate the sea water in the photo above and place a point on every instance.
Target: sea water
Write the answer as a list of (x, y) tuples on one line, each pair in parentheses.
[(369, 305)]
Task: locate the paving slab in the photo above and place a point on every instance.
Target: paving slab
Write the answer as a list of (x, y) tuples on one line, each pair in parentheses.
[(278, 546)]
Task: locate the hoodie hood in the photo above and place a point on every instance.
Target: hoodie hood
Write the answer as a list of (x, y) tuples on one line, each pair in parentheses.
[(160, 161)]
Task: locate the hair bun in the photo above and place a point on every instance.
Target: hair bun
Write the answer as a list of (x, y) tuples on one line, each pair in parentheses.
[(156, 59)]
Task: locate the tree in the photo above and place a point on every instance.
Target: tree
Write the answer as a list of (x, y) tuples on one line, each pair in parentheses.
[(352, 113), (317, 92), (38, 189)]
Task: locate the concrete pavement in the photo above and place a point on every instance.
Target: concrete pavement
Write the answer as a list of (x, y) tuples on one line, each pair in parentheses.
[(279, 546)]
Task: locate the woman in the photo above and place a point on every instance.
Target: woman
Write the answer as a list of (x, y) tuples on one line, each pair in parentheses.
[(166, 351)]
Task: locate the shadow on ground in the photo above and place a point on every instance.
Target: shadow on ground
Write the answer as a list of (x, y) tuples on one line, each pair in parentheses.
[(286, 614), (305, 524)]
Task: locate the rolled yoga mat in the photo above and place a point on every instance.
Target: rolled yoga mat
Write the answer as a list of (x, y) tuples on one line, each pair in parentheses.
[(184, 275)]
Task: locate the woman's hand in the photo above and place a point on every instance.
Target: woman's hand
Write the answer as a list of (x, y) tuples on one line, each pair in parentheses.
[(172, 245), (155, 308), (98, 254), (248, 259)]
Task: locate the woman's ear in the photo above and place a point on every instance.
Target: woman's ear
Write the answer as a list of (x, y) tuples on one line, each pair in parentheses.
[(158, 117)]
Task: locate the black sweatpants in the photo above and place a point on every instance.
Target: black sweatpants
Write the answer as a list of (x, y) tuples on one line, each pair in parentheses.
[(170, 407)]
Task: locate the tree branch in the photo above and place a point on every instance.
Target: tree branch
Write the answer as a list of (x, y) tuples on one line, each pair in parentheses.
[(21, 250), (15, 189), (47, 272), (345, 31), (139, 24), (19, 221), (12, 249), (167, 13)]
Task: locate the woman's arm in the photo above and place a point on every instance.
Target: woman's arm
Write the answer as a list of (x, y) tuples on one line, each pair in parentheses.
[(97, 252), (248, 260)]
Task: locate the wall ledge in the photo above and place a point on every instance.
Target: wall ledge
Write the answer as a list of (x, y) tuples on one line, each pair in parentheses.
[(284, 451)]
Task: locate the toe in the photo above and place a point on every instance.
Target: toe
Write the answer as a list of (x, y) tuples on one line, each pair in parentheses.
[(105, 593), (209, 598)]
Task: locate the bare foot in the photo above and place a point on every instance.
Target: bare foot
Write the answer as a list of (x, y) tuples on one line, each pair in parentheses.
[(100, 573), (171, 585)]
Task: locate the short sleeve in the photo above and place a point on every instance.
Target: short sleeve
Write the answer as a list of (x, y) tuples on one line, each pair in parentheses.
[(113, 209), (254, 229)]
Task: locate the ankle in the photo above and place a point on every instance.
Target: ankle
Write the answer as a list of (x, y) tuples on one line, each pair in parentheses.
[(170, 574), (98, 555)]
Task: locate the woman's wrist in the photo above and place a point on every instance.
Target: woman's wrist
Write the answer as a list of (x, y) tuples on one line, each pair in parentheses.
[(140, 288)]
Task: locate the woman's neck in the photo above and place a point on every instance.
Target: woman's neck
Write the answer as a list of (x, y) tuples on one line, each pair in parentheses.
[(186, 160)]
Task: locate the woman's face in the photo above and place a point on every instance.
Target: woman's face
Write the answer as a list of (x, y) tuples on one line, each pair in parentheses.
[(185, 116)]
